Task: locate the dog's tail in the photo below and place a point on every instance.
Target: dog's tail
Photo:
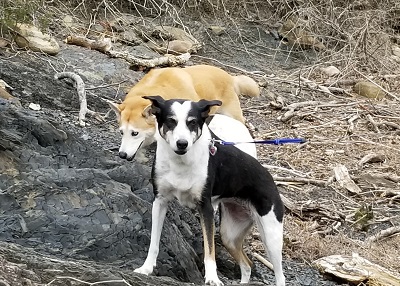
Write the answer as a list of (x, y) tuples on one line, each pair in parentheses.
[(245, 85)]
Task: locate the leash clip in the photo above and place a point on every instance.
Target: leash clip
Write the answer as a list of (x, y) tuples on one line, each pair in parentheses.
[(212, 147)]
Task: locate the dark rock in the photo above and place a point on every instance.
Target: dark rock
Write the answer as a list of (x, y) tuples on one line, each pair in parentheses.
[(67, 201)]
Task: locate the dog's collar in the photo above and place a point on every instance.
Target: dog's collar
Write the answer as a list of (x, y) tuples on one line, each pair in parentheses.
[(212, 148)]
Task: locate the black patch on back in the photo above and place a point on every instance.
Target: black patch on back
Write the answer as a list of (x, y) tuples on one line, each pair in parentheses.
[(234, 173)]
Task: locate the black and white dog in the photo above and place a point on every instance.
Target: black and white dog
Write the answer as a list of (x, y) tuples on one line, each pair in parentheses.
[(187, 167)]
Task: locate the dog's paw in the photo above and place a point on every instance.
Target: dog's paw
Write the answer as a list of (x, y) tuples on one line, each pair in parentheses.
[(144, 270), (213, 281)]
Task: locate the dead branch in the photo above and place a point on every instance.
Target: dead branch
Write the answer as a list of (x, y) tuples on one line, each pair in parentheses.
[(87, 283), (366, 140), (293, 107), (373, 123), (168, 60), (325, 89), (297, 173), (102, 45), (263, 260), (389, 177), (371, 158), (310, 207), (80, 88), (382, 234), (301, 180), (388, 124), (356, 270), (342, 82), (343, 178), (351, 120)]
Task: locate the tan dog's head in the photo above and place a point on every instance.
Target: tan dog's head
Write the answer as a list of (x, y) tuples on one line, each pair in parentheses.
[(136, 125)]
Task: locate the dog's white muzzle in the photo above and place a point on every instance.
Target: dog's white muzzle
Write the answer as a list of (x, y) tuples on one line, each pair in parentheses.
[(130, 145)]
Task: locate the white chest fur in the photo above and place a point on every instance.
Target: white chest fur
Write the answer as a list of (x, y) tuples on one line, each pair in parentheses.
[(181, 176)]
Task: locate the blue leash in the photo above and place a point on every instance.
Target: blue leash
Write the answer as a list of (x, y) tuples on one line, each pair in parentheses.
[(278, 141)]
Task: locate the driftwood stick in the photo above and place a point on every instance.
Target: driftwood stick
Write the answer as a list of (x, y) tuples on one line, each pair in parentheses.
[(297, 173), (389, 177), (373, 123), (104, 46), (383, 233), (301, 180), (101, 45), (80, 88), (389, 124), (169, 60), (293, 107), (263, 260), (325, 89), (351, 120), (356, 269), (87, 283), (343, 178), (371, 158), (300, 209)]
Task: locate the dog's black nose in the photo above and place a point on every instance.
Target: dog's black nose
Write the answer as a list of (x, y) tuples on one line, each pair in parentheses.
[(122, 155), (181, 144)]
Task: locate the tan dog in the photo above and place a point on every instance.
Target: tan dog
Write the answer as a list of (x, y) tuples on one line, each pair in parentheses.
[(137, 124)]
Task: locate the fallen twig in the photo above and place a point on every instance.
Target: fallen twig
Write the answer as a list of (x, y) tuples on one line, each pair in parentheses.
[(293, 107), (80, 88), (389, 124), (325, 89), (378, 144), (263, 260), (356, 270), (87, 283), (102, 45), (169, 60), (373, 123), (343, 178), (383, 233), (371, 158), (300, 209), (301, 180), (297, 173), (351, 120)]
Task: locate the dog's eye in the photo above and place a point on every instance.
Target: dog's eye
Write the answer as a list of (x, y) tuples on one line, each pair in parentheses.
[(192, 122), (170, 122), (134, 133)]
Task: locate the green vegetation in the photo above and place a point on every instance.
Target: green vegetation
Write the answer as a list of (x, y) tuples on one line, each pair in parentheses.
[(22, 11)]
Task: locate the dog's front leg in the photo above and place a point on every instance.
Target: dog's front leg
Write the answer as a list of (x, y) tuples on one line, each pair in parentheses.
[(206, 211), (160, 206)]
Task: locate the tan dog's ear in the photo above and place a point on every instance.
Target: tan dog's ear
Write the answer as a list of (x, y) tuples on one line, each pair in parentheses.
[(148, 114), (116, 109)]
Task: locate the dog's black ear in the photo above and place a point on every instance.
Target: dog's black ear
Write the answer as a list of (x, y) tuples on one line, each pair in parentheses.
[(205, 105), (157, 103)]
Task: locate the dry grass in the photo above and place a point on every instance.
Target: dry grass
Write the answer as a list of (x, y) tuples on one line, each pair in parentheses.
[(328, 219)]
